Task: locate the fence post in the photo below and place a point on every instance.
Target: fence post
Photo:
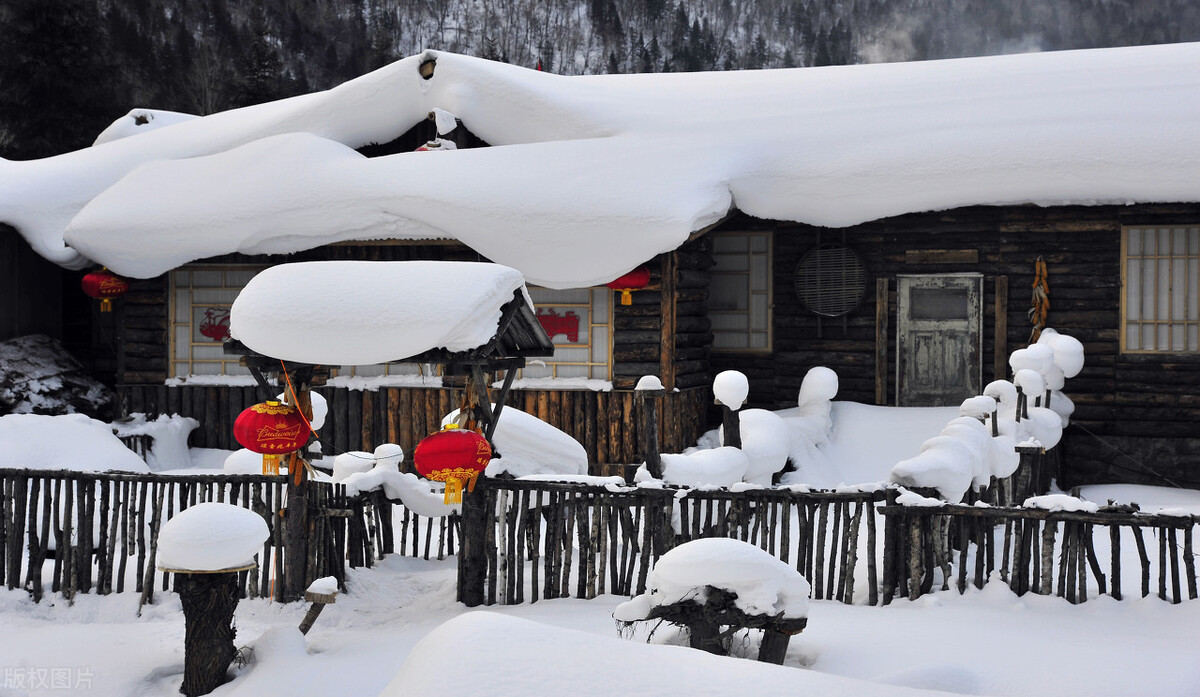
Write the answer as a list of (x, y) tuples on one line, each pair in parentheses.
[(472, 555), (649, 431)]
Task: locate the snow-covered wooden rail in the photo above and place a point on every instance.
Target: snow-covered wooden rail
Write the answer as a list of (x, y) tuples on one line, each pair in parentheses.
[(580, 541), (100, 530), (1033, 550)]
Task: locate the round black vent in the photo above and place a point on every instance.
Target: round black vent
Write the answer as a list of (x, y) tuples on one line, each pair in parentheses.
[(830, 280)]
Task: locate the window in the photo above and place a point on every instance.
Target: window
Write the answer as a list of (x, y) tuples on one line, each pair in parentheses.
[(740, 302), (1160, 274), (579, 323), (200, 300)]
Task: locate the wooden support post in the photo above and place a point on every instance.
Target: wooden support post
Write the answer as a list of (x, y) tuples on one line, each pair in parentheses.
[(731, 427), (881, 340), (1000, 330), (649, 399), (670, 266)]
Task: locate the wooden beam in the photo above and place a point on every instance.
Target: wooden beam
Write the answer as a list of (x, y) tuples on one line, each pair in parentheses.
[(881, 340), (1000, 332), (941, 256), (670, 267)]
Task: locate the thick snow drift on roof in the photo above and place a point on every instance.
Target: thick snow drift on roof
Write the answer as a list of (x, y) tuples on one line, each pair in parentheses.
[(365, 312), (595, 174)]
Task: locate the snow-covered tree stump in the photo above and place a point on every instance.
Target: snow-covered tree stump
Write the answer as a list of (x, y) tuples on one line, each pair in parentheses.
[(716, 587), (206, 545), (209, 601)]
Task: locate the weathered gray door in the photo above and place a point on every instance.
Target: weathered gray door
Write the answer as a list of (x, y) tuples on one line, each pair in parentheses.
[(938, 339)]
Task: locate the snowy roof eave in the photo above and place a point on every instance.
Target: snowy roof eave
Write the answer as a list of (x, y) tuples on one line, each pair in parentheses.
[(592, 175)]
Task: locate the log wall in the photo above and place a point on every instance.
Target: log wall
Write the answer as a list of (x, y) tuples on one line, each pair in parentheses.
[(1137, 416)]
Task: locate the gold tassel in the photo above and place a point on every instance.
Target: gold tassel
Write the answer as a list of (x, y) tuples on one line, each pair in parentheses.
[(270, 465), (626, 297), (105, 305), (454, 489), (471, 482)]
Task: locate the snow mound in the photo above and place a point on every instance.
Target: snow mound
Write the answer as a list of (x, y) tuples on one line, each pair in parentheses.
[(169, 438), (68, 442), (731, 388), (243, 461), (363, 312), (724, 466), (528, 445), (766, 441), (211, 536), (763, 584), (1060, 502)]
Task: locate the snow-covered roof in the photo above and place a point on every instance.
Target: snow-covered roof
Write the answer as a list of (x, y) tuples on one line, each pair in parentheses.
[(592, 175), (367, 312)]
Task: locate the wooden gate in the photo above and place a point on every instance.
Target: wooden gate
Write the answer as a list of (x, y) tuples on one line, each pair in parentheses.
[(938, 339)]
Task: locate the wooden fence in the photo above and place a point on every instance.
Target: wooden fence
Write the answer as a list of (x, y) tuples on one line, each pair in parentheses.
[(581, 541), (101, 530), (607, 424), (1043, 552)]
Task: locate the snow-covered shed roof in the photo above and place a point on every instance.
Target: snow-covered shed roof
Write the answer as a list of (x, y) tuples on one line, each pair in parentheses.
[(592, 175)]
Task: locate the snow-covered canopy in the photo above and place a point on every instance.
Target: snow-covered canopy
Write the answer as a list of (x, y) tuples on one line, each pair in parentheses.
[(365, 312), (595, 174)]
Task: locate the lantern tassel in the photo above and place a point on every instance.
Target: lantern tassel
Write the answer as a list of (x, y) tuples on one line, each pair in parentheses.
[(471, 483), (105, 305), (454, 491), (270, 464), (626, 297)]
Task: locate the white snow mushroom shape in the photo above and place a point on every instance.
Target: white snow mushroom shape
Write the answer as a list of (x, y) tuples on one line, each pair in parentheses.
[(764, 585), (731, 388), (211, 537)]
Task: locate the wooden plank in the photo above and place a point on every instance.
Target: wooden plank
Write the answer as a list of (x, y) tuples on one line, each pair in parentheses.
[(366, 416), (941, 256)]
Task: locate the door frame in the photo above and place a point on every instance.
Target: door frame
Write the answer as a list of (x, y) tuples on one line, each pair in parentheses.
[(975, 291)]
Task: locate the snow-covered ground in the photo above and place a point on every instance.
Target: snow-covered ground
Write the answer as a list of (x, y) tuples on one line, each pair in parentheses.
[(983, 643)]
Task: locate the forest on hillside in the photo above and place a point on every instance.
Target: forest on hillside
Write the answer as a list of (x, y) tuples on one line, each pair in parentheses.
[(68, 68)]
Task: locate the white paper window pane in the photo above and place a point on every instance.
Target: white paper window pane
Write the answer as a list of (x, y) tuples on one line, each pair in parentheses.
[(730, 320), (238, 278), (759, 273), (1133, 337), (730, 341), (758, 340), (1134, 241), (1148, 242), (535, 370), (1163, 337), (758, 312), (1178, 289), (1133, 289), (206, 368), (182, 343), (758, 243), (1164, 242), (727, 263), (730, 243), (367, 371), (1163, 282), (1193, 240), (1179, 241), (1193, 289), (572, 371), (1148, 337), (207, 278), (600, 344), (1193, 342), (728, 293), (181, 370), (1148, 293)]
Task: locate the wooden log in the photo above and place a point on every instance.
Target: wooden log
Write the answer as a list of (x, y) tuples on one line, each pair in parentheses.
[(1092, 560), (63, 558), (962, 556), (37, 562), (818, 577), (1173, 546), (1045, 586), (891, 549), (850, 555), (1114, 542), (872, 571), (209, 602), (1162, 564), (914, 556), (155, 524), (1189, 562), (503, 552), (837, 551), (535, 534), (143, 492), (567, 543)]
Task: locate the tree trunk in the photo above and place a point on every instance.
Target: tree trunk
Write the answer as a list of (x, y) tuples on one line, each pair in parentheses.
[(208, 604)]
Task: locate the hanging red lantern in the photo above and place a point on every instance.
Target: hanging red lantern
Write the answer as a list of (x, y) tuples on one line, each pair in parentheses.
[(271, 428), (637, 279), (453, 455), (104, 285)]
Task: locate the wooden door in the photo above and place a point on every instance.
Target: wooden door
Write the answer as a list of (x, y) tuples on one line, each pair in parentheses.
[(938, 339)]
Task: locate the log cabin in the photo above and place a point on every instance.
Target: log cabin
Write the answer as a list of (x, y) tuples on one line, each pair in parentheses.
[(882, 220)]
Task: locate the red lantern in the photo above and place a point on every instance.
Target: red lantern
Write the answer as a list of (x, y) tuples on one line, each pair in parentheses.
[(453, 455), (271, 428), (104, 285), (637, 279)]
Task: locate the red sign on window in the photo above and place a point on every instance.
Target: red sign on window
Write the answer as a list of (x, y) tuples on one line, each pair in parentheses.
[(554, 324)]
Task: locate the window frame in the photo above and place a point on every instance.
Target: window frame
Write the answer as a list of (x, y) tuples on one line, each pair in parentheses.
[(768, 294), (1190, 322), (594, 294)]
